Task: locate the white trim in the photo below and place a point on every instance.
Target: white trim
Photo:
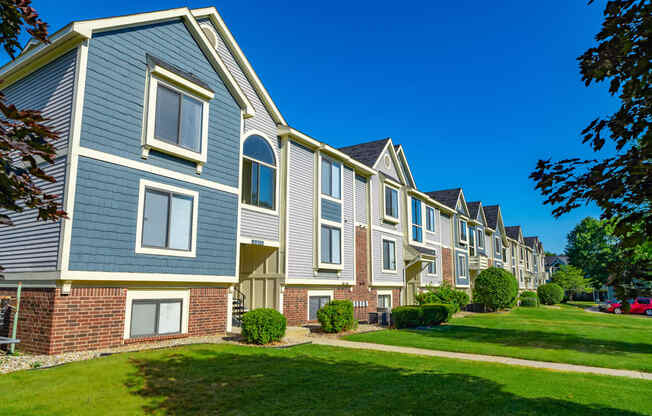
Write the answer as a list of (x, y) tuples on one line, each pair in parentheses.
[(121, 161), (146, 277), (436, 268), (386, 292), (257, 241), (243, 138), (466, 266), (387, 284), (390, 145), (158, 294), (311, 293), (147, 184), (333, 224), (72, 160), (382, 229), (459, 229), (319, 282), (386, 217), (401, 151), (382, 255), (216, 19), (150, 141), (183, 83)]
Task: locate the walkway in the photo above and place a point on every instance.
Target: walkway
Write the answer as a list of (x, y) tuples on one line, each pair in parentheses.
[(484, 358)]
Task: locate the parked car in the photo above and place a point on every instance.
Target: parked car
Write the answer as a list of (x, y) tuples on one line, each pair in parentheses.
[(638, 306), (604, 306)]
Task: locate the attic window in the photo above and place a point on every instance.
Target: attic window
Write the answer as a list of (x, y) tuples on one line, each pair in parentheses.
[(210, 34)]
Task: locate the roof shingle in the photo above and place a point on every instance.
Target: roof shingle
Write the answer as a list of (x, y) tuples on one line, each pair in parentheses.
[(447, 197), (367, 153), (491, 214), (512, 231)]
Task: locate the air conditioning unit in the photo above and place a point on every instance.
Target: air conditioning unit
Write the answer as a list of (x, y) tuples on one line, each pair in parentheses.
[(383, 316)]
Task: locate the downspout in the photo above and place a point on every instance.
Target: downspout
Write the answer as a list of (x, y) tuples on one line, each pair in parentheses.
[(15, 330)]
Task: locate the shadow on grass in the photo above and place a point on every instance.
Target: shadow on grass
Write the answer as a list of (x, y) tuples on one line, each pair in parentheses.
[(209, 382), (533, 339)]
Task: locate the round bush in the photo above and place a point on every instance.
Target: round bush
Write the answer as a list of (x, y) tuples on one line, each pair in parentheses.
[(434, 314), (550, 294), (528, 294), (444, 294), (407, 316), (496, 289), (337, 316), (262, 326), (529, 302)]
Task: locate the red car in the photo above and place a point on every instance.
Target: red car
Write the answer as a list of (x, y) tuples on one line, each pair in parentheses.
[(640, 306)]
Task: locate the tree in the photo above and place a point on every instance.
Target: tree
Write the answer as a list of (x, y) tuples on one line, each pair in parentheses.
[(571, 279), (591, 247), (620, 184), (550, 254), (25, 139)]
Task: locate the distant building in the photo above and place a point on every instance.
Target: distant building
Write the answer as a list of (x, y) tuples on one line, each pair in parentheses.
[(553, 263)]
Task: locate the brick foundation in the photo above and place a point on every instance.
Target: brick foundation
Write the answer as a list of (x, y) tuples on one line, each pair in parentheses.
[(93, 318), (447, 264)]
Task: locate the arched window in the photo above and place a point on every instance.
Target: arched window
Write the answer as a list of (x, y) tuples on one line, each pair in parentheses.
[(258, 173)]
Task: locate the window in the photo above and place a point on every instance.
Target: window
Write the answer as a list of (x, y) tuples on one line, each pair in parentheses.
[(155, 317), (471, 242), (417, 228), (315, 303), (384, 301), (331, 247), (176, 116), (461, 262), (430, 219), (167, 221), (431, 268), (497, 249), (504, 254), (522, 255), (331, 178), (389, 255), (391, 202), (258, 173), (463, 231), (480, 239)]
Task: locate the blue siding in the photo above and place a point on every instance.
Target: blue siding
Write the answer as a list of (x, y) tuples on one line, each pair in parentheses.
[(459, 280), (331, 211), (104, 227), (115, 91)]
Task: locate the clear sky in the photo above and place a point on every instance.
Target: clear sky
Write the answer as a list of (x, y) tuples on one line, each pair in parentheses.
[(476, 91)]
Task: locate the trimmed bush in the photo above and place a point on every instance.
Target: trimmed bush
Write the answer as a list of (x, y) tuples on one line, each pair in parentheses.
[(407, 316), (435, 313), (496, 289), (528, 294), (529, 302), (262, 326), (444, 294), (550, 293), (337, 316)]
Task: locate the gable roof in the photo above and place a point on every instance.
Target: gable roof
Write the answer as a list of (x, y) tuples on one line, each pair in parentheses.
[(368, 152), (476, 211), (491, 213), (400, 153), (532, 242), (513, 232), (550, 260), (447, 197), (79, 31)]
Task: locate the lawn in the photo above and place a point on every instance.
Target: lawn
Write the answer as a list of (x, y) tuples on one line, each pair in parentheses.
[(565, 335), (310, 379)]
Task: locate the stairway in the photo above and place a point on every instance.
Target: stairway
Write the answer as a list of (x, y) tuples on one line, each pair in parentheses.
[(238, 307)]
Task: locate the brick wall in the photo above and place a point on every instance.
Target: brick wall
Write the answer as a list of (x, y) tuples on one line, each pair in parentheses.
[(34, 318), (295, 305), (447, 264), (208, 311)]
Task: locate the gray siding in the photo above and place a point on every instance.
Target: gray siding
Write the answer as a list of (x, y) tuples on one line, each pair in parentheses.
[(432, 236), (361, 199), (436, 280), (301, 212), (106, 212), (31, 245), (445, 231), (390, 171), (331, 210), (348, 254), (377, 251), (378, 206), (255, 224), (114, 98)]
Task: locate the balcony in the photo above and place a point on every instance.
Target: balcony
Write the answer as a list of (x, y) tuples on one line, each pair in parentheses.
[(478, 262)]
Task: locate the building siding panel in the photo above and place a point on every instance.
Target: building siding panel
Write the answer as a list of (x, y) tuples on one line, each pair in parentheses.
[(255, 224), (361, 200), (301, 177)]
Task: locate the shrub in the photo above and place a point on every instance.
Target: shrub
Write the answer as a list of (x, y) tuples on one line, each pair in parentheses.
[(337, 316), (407, 316), (444, 294), (528, 294), (495, 288), (262, 326), (550, 294), (435, 313), (529, 302)]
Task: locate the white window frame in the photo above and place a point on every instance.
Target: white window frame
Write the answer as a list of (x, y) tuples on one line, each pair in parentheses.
[(436, 273), (497, 251), (321, 191), (321, 293), (385, 293), (382, 256), (386, 216), (466, 225), (413, 224), (480, 237), (460, 275), (147, 184), (132, 295), (248, 134), (330, 266), (159, 75), (434, 219), (334, 224)]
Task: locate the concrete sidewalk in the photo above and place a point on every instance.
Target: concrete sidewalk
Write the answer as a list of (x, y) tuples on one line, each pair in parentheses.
[(483, 358)]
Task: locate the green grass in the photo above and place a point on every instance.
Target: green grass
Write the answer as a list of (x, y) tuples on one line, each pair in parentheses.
[(565, 335), (310, 379)]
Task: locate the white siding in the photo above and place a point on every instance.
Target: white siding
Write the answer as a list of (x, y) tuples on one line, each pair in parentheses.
[(255, 224), (348, 255), (300, 212), (446, 231)]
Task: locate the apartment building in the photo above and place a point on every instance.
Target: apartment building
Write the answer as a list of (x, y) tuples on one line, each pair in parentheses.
[(190, 197)]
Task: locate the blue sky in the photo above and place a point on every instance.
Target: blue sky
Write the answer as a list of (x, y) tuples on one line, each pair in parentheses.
[(476, 91)]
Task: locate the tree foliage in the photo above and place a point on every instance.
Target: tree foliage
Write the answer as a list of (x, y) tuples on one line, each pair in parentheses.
[(620, 184), (591, 247), (571, 279), (26, 141)]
